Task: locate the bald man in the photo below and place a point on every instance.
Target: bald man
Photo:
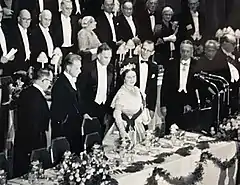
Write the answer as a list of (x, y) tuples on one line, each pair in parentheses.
[(41, 39), (21, 41)]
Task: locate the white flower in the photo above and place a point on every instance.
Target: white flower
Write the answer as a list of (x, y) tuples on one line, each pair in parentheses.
[(100, 170), (76, 175), (89, 177), (84, 162), (78, 179), (62, 171), (71, 177), (104, 177)]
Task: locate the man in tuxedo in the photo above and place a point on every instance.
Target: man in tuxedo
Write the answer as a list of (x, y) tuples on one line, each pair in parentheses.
[(192, 24), (33, 117), (41, 39), (127, 26), (21, 42), (148, 17), (178, 93), (66, 108), (106, 25), (65, 29), (147, 72), (97, 85)]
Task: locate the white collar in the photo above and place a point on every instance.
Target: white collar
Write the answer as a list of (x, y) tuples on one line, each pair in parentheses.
[(42, 28), (108, 14), (184, 62), (69, 77), (63, 17), (128, 18), (141, 59), (39, 88), (22, 29), (100, 65), (194, 13)]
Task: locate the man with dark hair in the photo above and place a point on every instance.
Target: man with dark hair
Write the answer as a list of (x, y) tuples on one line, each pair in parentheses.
[(97, 84), (33, 121), (66, 107)]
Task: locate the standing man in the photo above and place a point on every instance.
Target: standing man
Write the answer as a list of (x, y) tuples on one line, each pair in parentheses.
[(66, 107), (65, 29), (21, 42), (97, 84), (178, 94), (147, 72), (33, 121)]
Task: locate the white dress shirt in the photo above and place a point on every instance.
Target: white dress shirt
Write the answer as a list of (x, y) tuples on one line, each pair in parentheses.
[(39, 88), (195, 16), (78, 9), (67, 31), (132, 25), (233, 70), (48, 40), (184, 70), (101, 95), (23, 32), (71, 79), (152, 20), (143, 69), (3, 42), (110, 20), (41, 5)]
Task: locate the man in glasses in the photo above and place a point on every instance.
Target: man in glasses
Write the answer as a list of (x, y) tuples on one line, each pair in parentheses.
[(33, 117)]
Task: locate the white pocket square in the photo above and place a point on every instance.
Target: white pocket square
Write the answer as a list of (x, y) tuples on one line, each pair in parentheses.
[(153, 76)]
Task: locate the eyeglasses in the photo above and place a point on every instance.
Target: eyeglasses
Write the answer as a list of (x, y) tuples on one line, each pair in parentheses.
[(26, 19)]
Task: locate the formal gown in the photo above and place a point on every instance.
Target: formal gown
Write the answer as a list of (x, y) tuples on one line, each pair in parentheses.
[(130, 104)]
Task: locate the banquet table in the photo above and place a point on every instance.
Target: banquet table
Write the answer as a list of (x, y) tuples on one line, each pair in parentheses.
[(175, 164)]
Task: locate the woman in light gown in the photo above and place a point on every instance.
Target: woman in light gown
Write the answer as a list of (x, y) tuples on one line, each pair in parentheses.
[(128, 105)]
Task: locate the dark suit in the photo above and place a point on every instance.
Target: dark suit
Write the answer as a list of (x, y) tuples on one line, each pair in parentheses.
[(17, 43), (174, 100), (89, 84), (124, 31), (186, 25), (151, 86), (38, 44), (58, 34), (103, 30), (67, 112), (33, 120), (145, 31)]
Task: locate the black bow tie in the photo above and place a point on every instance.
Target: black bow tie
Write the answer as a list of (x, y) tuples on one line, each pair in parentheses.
[(143, 61), (151, 14)]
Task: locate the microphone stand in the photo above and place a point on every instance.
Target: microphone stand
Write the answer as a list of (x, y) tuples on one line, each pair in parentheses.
[(225, 83), (201, 77)]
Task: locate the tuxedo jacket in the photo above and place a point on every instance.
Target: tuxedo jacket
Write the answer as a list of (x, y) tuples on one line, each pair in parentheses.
[(20, 56), (58, 31), (145, 31), (88, 82), (33, 120), (66, 108), (151, 86), (186, 25), (170, 97), (38, 44), (124, 31), (103, 29)]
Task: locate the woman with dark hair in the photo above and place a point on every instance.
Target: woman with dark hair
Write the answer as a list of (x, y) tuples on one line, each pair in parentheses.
[(128, 105)]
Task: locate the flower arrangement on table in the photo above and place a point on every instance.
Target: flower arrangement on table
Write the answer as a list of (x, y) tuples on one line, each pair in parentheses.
[(3, 177), (228, 130), (36, 172), (86, 169)]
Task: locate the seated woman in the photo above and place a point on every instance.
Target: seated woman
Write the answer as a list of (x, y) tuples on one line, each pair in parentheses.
[(88, 41), (129, 114)]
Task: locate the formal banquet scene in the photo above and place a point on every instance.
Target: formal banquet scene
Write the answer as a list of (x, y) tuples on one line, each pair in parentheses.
[(119, 92)]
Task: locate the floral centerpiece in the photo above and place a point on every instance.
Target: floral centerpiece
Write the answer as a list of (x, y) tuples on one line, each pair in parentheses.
[(36, 172), (3, 177), (86, 169), (228, 130)]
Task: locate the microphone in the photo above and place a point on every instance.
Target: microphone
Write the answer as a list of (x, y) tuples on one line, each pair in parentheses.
[(203, 78), (215, 76)]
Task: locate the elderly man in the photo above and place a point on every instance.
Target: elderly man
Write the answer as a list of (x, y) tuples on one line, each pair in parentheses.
[(178, 94), (33, 117), (127, 26), (66, 108), (148, 17), (21, 42), (65, 29), (41, 40)]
